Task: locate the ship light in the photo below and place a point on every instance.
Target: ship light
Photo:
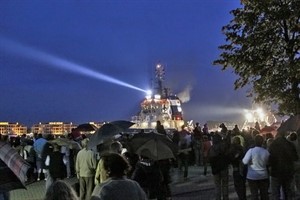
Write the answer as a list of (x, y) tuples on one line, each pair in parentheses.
[(148, 97), (157, 96), (249, 116), (179, 109)]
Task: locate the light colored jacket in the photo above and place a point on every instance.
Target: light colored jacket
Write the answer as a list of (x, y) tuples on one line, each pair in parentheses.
[(86, 163)]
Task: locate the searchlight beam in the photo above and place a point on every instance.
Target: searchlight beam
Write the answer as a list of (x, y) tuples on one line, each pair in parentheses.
[(60, 63)]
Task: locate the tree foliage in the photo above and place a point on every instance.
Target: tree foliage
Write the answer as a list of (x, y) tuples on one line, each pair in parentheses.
[(263, 46)]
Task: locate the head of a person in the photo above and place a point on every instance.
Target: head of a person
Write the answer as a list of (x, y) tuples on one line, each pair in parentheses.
[(236, 140), (146, 154), (205, 137), (116, 147), (60, 190), (258, 140), (158, 122), (222, 125), (217, 139), (55, 147), (113, 165), (84, 143)]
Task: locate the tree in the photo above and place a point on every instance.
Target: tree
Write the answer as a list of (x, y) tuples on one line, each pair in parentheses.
[(263, 46)]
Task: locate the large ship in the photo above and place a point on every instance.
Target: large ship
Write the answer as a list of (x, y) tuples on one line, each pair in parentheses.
[(159, 105)]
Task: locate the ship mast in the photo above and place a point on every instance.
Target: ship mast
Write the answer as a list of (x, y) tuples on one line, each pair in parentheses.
[(159, 78)]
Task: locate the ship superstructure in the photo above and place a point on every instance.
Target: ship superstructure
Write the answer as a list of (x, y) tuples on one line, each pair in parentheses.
[(159, 105)]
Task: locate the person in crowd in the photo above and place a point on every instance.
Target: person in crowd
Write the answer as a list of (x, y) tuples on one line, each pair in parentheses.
[(236, 154), (114, 185), (236, 130), (56, 165), (160, 128), (165, 190), (29, 156), (205, 149), (65, 150), (197, 144), (293, 138), (218, 158), (132, 158), (223, 129), (76, 135), (148, 174), (184, 147), (257, 126), (86, 164), (283, 154), (205, 130), (60, 190), (114, 147), (23, 143), (257, 159), (47, 151), (176, 137), (38, 146)]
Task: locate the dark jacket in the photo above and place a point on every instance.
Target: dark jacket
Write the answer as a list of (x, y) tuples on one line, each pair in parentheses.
[(218, 154), (147, 173), (57, 168), (282, 156)]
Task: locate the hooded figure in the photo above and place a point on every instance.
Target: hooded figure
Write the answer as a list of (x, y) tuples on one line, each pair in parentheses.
[(148, 174)]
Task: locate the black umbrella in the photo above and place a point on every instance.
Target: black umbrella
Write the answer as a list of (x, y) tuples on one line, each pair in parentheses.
[(107, 131), (13, 168), (291, 124), (159, 145), (87, 127)]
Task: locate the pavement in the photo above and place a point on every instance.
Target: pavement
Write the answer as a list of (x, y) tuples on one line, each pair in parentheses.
[(196, 186)]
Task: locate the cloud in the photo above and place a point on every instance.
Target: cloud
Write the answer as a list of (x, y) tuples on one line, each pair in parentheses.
[(185, 95)]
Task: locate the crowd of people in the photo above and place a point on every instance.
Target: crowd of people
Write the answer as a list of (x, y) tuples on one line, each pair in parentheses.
[(269, 165)]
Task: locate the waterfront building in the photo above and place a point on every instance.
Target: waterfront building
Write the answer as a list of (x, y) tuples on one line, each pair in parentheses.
[(56, 128), (7, 128)]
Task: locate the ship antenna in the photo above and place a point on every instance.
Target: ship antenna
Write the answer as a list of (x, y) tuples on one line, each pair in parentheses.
[(160, 75)]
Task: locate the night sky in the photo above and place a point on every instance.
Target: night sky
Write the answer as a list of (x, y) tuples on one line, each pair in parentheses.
[(45, 45)]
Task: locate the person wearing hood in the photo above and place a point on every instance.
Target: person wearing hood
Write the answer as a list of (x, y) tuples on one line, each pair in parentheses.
[(148, 174)]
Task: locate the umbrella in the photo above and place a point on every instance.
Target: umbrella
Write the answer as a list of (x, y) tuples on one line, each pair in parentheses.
[(122, 124), (13, 168), (107, 131), (291, 124), (160, 145), (66, 142), (87, 127)]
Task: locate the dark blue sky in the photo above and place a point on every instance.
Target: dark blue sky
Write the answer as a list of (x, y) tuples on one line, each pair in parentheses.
[(121, 39)]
